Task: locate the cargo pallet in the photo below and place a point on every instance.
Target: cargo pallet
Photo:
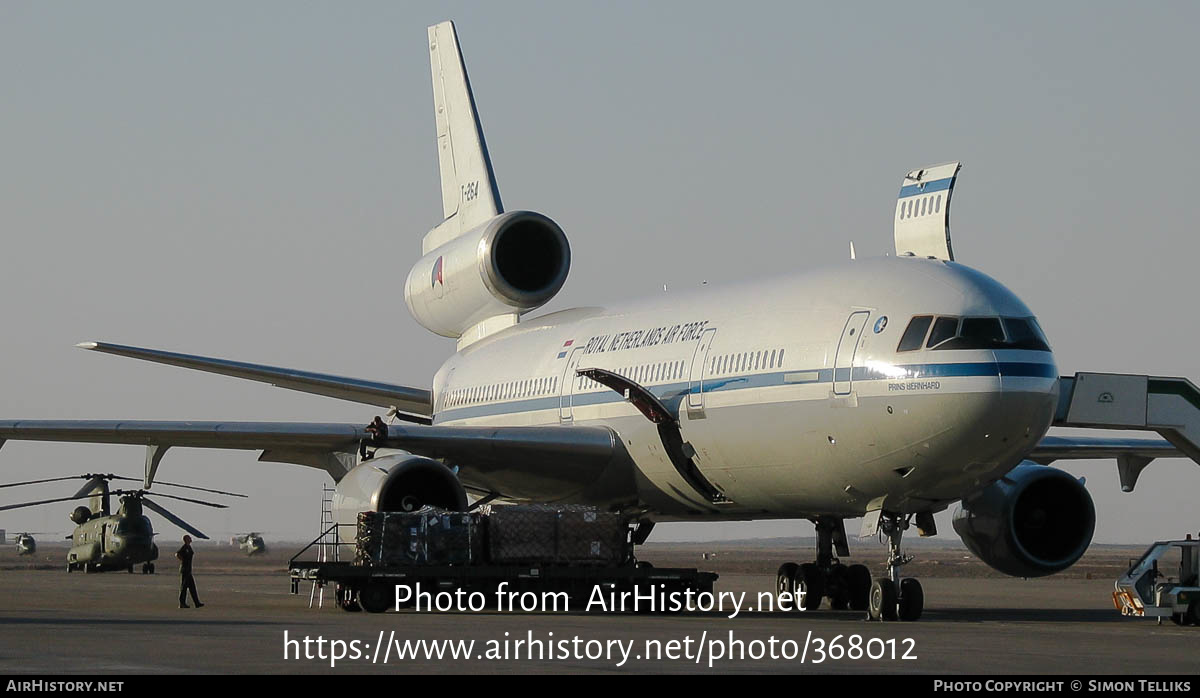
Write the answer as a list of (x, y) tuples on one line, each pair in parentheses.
[(372, 587)]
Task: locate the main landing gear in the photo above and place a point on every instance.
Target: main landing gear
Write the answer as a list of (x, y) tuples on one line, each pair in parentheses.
[(851, 586), (891, 597), (846, 586)]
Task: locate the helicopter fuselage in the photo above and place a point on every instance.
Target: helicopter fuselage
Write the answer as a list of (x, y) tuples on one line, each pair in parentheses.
[(115, 542)]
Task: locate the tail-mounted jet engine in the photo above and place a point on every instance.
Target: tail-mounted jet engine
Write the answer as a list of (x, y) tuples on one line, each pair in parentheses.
[(1032, 522), (399, 482), (511, 264)]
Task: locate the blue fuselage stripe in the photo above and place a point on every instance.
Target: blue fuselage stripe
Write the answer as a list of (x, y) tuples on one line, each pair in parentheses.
[(672, 391)]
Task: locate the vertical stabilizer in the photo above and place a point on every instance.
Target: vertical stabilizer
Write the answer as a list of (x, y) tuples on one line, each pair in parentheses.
[(469, 193)]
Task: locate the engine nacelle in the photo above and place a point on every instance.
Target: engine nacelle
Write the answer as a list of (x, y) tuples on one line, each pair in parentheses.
[(400, 482), (80, 514), (1032, 522), (512, 264)]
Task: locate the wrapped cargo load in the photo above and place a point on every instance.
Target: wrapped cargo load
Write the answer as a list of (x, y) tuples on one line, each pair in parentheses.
[(591, 537), (515, 534), (429, 536), (453, 537), (522, 533), (569, 534)]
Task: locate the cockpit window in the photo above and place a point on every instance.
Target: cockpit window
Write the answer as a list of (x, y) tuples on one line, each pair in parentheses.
[(944, 329), (973, 333), (914, 334), (1024, 333), (977, 333)]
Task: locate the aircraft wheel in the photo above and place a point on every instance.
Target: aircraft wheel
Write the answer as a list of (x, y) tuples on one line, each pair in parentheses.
[(838, 588), (1193, 612), (1179, 618), (785, 580), (912, 599), (810, 581), (130, 569), (374, 597), (858, 580), (883, 599), (70, 568), (151, 568)]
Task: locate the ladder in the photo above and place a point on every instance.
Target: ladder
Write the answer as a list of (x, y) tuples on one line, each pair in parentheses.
[(328, 548)]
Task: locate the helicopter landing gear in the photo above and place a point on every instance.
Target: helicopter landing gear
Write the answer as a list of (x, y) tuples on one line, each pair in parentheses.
[(130, 569), (846, 586), (147, 568), (891, 597)]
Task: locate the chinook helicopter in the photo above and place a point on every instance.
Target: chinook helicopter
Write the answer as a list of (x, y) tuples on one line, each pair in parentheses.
[(26, 544), (251, 543), (103, 540)]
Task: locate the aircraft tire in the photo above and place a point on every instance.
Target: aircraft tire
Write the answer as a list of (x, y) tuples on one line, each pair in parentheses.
[(1193, 613), (858, 579), (785, 580), (811, 581), (883, 599), (912, 599), (837, 587)]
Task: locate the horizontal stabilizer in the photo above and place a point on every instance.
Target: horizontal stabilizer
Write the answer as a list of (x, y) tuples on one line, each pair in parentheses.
[(413, 404), (922, 222)]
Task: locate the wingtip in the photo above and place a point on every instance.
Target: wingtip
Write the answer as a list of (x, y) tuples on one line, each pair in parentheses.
[(88, 345)]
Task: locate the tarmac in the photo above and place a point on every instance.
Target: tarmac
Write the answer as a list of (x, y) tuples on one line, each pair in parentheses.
[(975, 622)]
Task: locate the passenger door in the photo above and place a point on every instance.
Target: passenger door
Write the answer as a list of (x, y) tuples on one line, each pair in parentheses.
[(695, 401), (567, 386), (843, 362)]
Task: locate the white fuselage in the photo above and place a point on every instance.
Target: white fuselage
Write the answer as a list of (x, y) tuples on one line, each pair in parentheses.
[(791, 392)]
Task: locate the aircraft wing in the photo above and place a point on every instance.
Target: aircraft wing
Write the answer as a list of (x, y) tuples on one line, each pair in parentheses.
[(412, 404), (559, 454), (1052, 448), (1132, 455)]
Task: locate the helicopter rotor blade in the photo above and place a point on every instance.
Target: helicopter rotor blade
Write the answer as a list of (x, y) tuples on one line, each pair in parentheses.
[(6, 507), (49, 479), (173, 518), (214, 505), (202, 489)]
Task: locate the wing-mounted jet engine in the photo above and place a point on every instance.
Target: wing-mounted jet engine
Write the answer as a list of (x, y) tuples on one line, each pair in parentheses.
[(397, 482), (1032, 522), (482, 268)]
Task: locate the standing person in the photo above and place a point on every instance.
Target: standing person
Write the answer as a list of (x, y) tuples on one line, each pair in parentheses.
[(186, 581)]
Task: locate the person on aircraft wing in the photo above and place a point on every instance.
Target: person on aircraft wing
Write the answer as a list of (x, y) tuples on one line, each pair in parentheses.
[(378, 431), (186, 581)]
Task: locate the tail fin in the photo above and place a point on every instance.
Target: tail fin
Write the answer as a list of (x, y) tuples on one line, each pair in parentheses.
[(469, 193)]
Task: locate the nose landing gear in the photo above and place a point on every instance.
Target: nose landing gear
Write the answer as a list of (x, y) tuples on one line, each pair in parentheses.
[(892, 597)]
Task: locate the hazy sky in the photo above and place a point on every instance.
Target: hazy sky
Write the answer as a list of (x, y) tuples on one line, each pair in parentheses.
[(219, 179)]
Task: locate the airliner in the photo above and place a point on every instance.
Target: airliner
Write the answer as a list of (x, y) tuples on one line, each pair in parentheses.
[(886, 389)]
